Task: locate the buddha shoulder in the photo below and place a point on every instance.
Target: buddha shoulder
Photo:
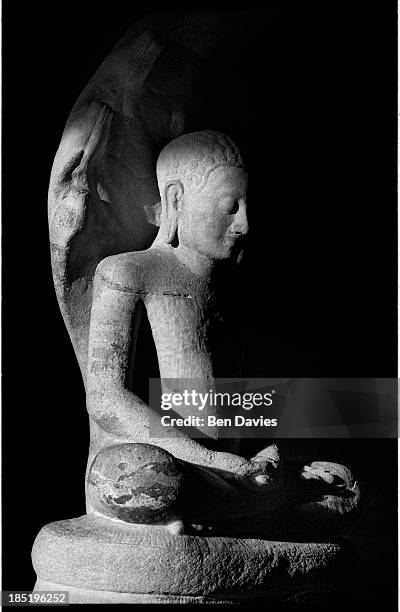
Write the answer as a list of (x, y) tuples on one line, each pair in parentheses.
[(136, 271)]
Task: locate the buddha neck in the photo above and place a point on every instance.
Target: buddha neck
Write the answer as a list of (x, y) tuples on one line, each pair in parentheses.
[(196, 262)]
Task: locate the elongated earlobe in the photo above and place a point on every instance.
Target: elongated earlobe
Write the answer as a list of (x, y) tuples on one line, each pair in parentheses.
[(173, 195)]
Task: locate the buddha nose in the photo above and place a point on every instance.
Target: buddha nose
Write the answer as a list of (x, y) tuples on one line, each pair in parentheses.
[(241, 224)]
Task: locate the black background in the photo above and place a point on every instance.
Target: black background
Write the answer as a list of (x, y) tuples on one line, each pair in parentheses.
[(320, 276)]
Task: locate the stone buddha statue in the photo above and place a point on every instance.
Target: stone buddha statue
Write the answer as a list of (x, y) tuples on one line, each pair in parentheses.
[(146, 488), (132, 475), (170, 517)]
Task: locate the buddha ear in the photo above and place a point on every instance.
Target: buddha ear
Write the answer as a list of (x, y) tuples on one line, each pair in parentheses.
[(173, 196)]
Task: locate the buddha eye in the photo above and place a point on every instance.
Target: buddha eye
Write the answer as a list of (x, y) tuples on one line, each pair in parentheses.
[(234, 207)]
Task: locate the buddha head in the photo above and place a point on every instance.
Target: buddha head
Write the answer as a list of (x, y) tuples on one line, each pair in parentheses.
[(203, 188)]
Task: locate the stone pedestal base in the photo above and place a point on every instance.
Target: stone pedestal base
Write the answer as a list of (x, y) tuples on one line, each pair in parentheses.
[(102, 561), (90, 596)]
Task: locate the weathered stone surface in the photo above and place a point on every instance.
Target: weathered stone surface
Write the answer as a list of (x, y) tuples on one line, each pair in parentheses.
[(91, 552), (136, 483)]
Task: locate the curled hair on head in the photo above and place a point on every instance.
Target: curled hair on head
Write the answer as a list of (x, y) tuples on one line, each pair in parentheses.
[(192, 157)]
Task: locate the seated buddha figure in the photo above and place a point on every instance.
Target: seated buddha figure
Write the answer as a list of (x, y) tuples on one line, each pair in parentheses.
[(137, 474)]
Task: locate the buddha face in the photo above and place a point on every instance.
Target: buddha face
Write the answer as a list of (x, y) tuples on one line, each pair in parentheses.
[(213, 219)]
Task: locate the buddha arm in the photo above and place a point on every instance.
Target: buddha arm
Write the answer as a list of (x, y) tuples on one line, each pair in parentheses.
[(110, 403)]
